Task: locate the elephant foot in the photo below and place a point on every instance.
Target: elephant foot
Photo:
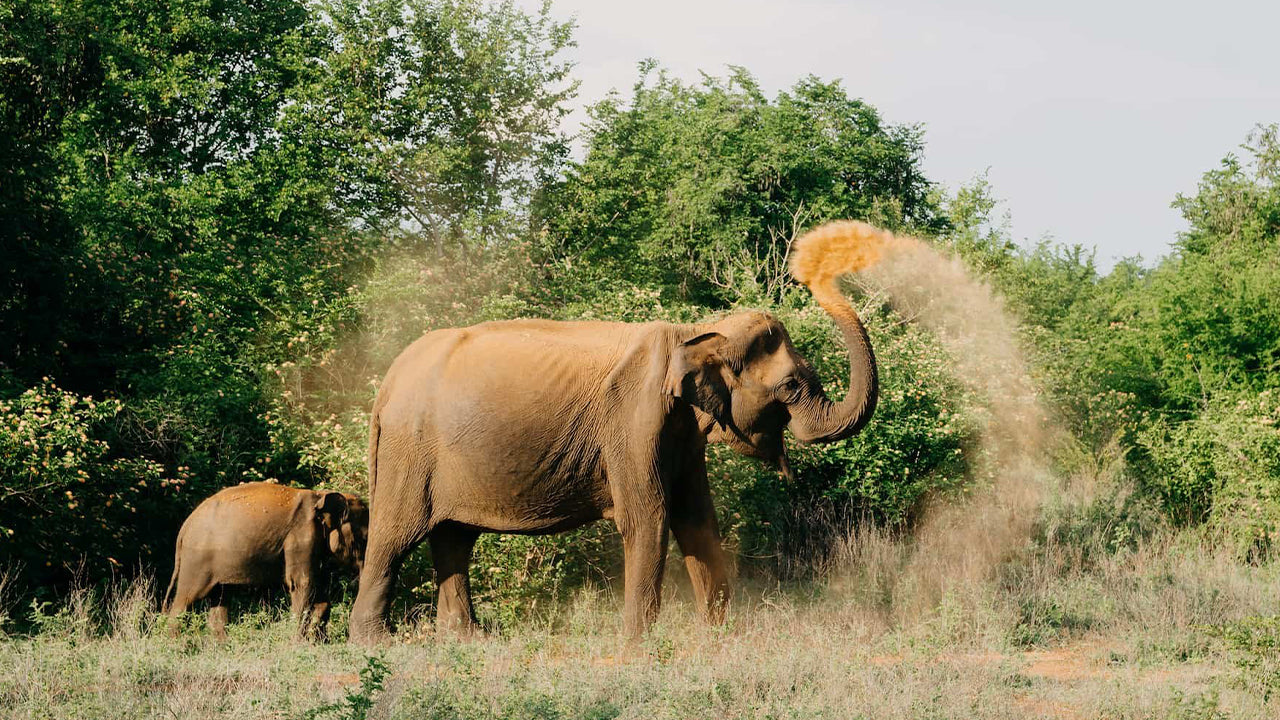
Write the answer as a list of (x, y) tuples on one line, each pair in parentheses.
[(368, 634), (458, 627), (632, 649)]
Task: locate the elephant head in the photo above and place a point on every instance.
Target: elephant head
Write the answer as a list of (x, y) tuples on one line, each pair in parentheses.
[(344, 519), (747, 383)]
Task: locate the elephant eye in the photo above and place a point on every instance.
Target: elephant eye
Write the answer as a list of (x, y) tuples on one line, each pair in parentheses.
[(788, 389)]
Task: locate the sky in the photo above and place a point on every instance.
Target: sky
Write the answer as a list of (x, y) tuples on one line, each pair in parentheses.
[(1089, 117)]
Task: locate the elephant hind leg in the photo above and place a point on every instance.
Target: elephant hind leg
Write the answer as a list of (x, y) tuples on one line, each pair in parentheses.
[(398, 520), (451, 547), (191, 588), (370, 615), (218, 613)]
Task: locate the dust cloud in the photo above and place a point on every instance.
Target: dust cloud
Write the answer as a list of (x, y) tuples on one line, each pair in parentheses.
[(959, 542)]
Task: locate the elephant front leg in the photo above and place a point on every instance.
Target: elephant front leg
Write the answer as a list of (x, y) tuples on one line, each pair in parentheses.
[(303, 578), (644, 547), (320, 620), (704, 560), (693, 522), (300, 604), (451, 548)]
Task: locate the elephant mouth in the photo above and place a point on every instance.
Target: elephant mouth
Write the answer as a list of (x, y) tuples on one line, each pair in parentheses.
[(762, 446), (767, 447), (773, 451)]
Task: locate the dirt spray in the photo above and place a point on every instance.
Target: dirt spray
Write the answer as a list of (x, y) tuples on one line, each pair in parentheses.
[(958, 542)]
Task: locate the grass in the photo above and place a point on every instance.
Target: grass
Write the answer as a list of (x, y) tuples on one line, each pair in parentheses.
[(1165, 628)]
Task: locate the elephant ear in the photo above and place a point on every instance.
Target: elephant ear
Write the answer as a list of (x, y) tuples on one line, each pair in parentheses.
[(698, 374), (331, 509)]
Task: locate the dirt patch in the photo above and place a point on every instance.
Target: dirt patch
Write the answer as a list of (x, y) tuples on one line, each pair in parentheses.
[(1071, 662)]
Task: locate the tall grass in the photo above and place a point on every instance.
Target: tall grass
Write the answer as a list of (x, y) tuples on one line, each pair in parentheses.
[(1074, 625)]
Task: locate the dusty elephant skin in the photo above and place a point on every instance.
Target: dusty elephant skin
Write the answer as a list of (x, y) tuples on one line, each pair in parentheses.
[(262, 534), (533, 426)]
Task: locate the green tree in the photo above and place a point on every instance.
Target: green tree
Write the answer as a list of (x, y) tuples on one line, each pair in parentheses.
[(166, 204), (191, 190), (1211, 320), (464, 101), (698, 189), (1176, 362)]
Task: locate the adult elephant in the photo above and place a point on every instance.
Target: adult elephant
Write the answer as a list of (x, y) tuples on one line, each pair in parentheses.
[(535, 426)]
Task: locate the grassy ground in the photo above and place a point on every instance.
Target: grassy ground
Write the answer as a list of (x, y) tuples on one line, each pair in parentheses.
[(1168, 629)]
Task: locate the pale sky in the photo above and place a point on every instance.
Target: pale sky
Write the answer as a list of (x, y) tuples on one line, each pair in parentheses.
[(1090, 115)]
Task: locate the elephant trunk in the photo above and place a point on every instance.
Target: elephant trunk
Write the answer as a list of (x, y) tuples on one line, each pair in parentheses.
[(818, 260), (822, 420)]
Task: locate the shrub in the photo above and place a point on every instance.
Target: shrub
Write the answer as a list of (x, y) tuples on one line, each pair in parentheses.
[(1222, 466), (1254, 646), (75, 503), (919, 443)]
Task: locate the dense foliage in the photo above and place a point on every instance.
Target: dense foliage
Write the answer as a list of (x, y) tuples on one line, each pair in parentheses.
[(189, 192), (697, 189), (220, 221), (1174, 365)]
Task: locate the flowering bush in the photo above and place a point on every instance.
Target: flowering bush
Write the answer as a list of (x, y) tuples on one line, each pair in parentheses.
[(917, 443), (72, 503), (1223, 467)]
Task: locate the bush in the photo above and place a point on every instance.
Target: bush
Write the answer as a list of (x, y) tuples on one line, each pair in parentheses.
[(1222, 466), (919, 443), (75, 503), (1254, 646)]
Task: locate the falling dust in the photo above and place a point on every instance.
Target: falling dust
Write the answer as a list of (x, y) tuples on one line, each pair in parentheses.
[(958, 542)]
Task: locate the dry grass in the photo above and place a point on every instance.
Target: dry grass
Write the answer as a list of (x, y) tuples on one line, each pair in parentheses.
[(1032, 599), (1124, 635)]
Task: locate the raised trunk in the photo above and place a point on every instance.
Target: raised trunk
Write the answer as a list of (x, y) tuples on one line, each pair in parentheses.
[(818, 419)]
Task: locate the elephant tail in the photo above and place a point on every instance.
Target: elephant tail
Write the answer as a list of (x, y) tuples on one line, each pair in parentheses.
[(173, 580), (375, 429)]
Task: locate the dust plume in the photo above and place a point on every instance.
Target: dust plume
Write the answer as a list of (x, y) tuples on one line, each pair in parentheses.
[(820, 257), (957, 543)]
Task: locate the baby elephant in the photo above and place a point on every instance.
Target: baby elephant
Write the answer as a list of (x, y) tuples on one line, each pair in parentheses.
[(259, 533)]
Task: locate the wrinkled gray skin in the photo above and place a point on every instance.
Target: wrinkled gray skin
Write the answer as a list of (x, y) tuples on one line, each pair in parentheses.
[(262, 534), (533, 426)]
